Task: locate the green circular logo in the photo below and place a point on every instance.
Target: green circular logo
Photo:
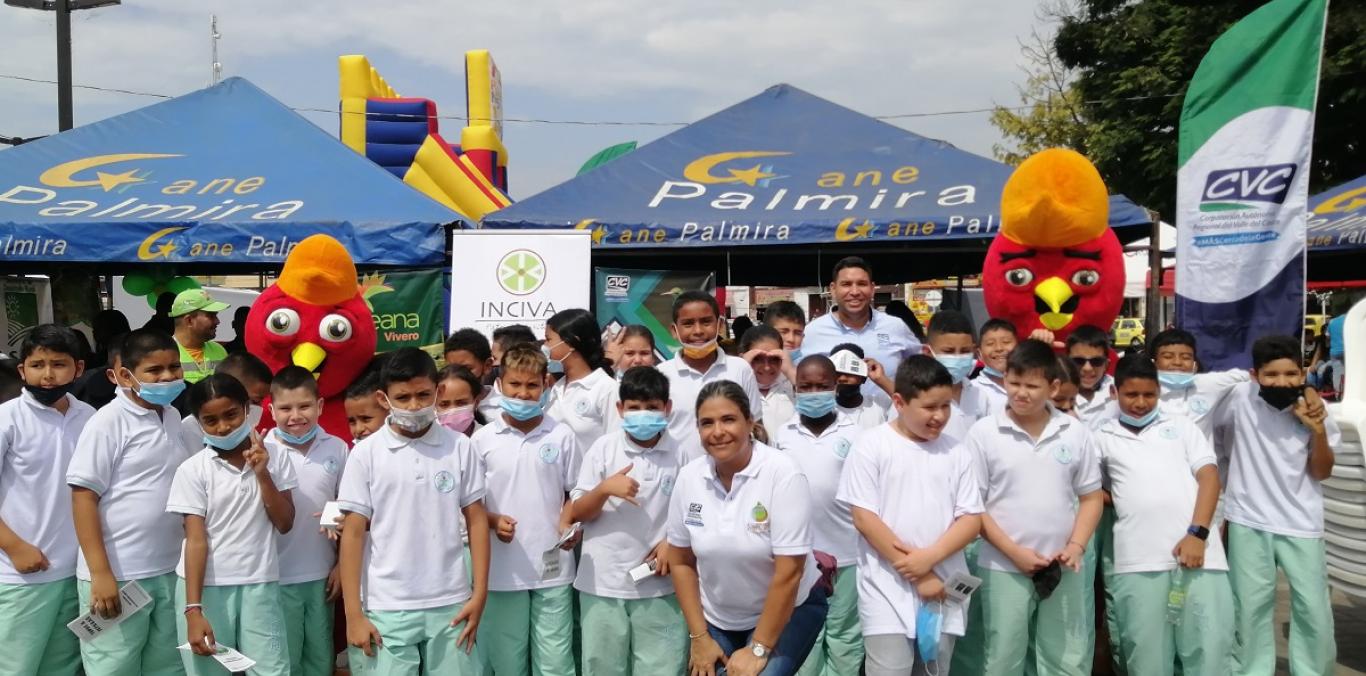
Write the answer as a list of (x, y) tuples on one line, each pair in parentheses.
[(521, 272)]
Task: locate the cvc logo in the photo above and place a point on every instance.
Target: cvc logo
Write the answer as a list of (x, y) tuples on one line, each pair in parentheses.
[(521, 272), (1234, 189)]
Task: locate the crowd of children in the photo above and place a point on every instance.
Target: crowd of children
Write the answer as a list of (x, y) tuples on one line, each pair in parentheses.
[(561, 504)]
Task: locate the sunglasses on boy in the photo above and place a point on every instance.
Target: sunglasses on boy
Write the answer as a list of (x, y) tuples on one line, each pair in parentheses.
[(1095, 362)]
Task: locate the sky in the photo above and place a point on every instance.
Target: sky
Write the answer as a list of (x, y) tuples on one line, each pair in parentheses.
[(587, 60)]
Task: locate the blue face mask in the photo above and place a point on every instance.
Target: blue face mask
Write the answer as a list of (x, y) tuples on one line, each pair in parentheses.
[(1176, 380), (520, 409), (992, 372), (230, 441), (554, 366), (958, 365), (927, 625), (1138, 422), (644, 425), (158, 394), (815, 404), (299, 440)]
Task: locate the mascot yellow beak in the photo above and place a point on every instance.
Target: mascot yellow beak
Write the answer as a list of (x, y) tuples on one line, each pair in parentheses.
[(309, 356), (1052, 294)]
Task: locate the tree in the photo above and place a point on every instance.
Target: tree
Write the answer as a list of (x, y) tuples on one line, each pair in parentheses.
[(1051, 114), (1134, 60)]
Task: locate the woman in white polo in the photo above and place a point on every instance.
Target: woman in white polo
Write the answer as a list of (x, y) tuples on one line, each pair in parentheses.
[(742, 565)]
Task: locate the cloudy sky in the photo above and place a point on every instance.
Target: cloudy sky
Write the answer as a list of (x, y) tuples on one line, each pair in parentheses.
[(596, 60)]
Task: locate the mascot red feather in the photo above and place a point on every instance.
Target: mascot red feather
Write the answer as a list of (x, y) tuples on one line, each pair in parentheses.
[(1055, 264), (315, 316)]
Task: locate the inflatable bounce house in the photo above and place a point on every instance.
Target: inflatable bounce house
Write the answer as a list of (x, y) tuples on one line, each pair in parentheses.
[(1055, 264), (402, 135)]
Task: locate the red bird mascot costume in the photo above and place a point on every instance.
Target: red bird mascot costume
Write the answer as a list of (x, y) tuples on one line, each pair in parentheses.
[(1055, 264), (314, 316)]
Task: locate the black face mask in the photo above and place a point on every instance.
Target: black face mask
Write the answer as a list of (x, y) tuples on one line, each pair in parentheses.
[(1280, 397), (848, 396), (1047, 579), (48, 396)]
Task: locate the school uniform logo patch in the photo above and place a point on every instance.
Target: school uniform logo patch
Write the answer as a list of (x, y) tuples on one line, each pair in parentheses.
[(1199, 405), (548, 453), (667, 486), (444, 481), (1062, 454), (1168, 432), (842, 448), (760, 516), (694, 517), (331, 466), (582, 406)]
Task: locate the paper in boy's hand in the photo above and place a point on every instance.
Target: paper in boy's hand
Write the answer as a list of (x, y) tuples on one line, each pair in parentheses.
[(849, 363), (132, 597), (231, 660), (569, 534), (960, 586), (331, 511)]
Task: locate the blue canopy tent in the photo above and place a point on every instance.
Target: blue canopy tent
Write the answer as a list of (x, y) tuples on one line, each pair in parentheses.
[(762, 190), (226, 177), (1337, 232)]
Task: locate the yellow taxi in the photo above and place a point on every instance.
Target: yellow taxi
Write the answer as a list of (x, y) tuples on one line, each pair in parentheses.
[(1127, 332)]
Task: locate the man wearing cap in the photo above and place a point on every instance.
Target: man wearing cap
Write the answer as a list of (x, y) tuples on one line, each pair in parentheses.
[(196, 323)]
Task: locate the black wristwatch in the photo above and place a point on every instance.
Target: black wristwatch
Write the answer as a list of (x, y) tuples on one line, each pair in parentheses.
[(1200, 532)]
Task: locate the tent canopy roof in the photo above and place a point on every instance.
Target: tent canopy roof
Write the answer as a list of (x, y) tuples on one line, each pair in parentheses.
[(224, 175)]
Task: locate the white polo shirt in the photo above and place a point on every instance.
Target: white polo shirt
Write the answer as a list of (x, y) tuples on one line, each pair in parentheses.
[(624, 534), (867, 415), (242, 540), (959, 423), (36, 444), (1151, 475), (884, 338), (489, 405), (306, 554), (780, 404), (192, 433), (128, 456), (1269, 487), (1096, 405), (918, 490), (735, 534), (584, 405), (982, 397), (685, 383), (1199, 401), (412, 490), (821, 458), (1030, 488), (527, 477)]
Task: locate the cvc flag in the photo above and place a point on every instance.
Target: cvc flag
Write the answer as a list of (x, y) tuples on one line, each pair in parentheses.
[(1242, 187)]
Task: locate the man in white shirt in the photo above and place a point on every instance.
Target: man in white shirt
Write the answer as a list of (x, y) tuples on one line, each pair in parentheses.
[(883, 337)]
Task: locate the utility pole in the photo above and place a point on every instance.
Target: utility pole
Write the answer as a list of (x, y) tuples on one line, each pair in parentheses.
[(63, 8), (1153, 320), (217, 67)]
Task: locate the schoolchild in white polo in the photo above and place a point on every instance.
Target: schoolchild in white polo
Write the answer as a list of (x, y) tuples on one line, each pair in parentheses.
[(308, 555), (916, 504), (762, 348), (234, 498), (38, 432), (630, 620), (254, 375), (530, 464), (820, 439), (1089, 348), (1185, 392), (400, 492), (1040, 478), (696, 325), (365, 415), (120, 476), (1282, 445), (582, 399), (866, 411), (1160, 471), (950, 340), (987, 391)]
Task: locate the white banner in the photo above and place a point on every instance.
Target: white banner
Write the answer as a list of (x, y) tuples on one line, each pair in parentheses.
[(502, 277)]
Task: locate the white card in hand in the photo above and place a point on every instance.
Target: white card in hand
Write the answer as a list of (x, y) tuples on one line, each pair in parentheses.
[(642, 571), (569, 534), (331, 511), (550, 564), (960, 586), (231, 660), (132, 597)]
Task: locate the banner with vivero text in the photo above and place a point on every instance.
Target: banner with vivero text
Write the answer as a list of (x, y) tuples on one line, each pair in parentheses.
[(502, 277)]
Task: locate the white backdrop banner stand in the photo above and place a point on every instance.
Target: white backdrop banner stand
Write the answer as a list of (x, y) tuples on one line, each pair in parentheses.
[(503, 277)]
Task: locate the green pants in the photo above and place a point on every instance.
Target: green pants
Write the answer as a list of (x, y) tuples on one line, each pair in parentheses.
[(144, 644), (530, 632), (418, 641), (1253, 557), (632, 637), (243, 616), (967, 651), (1104, 545), (1053, 633), (308, 627), (839, 647), (33, 621), (1149, 644)]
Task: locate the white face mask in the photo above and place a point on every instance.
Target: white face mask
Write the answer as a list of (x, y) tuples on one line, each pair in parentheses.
[(412, 421)]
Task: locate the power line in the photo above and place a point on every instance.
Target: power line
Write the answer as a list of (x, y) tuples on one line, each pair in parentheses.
[(590, 123)]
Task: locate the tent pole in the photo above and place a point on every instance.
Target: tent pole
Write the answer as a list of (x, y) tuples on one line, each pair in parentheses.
[(1153, 319)]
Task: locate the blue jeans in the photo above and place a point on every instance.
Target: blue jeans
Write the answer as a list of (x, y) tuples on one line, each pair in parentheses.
[(793, 644)]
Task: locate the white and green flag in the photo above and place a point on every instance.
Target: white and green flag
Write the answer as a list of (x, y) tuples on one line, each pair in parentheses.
[(1246, 130)]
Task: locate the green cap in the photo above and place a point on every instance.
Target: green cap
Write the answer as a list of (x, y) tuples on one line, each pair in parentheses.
[(189, 300)]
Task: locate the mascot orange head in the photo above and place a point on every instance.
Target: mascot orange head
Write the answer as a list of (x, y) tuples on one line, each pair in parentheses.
[(314, 316), (1055, 264)]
